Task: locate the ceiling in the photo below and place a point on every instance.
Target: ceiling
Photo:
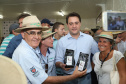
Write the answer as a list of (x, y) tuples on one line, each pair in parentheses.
[(10, 9)]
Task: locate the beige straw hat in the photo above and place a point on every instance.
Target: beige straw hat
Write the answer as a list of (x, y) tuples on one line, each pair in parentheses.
[(106, 35), (47, 33), (31, 22), (11, 72), (117, 32), (86, 29)]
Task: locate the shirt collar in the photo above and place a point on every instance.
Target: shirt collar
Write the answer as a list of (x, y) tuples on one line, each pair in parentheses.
[(54, 38), (69, 36)]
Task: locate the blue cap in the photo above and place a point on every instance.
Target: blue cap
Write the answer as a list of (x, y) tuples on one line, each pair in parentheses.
[(13, 27), (46, 21)]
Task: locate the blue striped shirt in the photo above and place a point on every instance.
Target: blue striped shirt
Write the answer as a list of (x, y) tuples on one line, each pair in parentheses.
[(5, 43)]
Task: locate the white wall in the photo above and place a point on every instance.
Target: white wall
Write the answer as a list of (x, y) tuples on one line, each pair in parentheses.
[(116, 5), (1, 28), (90, 23)]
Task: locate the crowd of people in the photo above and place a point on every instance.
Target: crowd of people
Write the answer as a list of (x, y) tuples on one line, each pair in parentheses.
[(40, 51)]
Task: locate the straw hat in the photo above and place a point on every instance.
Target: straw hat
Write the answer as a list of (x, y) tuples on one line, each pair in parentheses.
[(31, 22), (11, 72), (117, 32), (106, 35), (47, 33), (86, 29)]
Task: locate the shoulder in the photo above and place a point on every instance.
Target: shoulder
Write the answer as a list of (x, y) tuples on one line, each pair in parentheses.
[(87, 36), (52, 50), (96, 56), (18, 37), (118, 55)]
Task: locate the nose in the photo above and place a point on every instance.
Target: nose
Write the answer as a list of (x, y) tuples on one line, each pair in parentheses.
[(20, 25), (74, 24), (52, 39)]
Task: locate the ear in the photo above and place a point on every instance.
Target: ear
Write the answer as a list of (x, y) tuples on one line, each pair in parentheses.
[(22, 33), (55, 30), (13, 32)]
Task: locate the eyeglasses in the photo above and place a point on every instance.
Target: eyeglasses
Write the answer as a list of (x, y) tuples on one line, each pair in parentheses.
[(33, 33)]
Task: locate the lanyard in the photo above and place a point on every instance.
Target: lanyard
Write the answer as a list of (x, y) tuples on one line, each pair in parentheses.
[(102, 61)]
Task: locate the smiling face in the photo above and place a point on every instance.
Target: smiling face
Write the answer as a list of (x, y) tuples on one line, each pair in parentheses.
[(32, 37), (74, 25), (104, 44)]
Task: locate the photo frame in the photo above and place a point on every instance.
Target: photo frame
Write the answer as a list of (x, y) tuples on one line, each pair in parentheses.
[(114, 21)]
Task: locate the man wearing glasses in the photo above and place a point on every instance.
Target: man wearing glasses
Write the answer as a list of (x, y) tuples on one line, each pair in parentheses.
[(27, 57)]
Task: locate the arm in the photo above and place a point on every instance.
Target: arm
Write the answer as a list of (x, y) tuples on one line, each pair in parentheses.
[(61, 79), (9, 50), (94, 47), (121, 65)]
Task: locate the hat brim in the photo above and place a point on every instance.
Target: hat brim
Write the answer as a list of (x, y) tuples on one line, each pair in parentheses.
[(45, 36), (18, 30), (118, 32), (100, 36)]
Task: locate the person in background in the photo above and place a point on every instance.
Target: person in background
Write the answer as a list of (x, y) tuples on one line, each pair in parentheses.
[(46, 23), (121, 42), (14, 42), (47, 54), (88, 31), (66, 32), (58, 27), (79, 42), (30, 61), (8, 38), (120, 23), (104, 60)]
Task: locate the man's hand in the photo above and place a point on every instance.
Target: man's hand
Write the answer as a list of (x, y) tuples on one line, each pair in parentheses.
[(63, 67), (79, 73)]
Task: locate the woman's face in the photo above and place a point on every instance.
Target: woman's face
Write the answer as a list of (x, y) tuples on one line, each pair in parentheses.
[(104, 44)]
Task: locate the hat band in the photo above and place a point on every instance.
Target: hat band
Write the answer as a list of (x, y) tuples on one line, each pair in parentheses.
[(32, 25), (108, 36)]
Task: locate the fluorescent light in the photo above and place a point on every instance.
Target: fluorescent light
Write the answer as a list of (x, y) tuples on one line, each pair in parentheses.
[(1, 16), (61, 13)]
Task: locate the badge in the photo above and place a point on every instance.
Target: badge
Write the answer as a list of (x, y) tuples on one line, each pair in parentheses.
[(34, 71)]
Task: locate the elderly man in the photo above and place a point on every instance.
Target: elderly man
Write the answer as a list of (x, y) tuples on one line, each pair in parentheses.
[(30, 61)]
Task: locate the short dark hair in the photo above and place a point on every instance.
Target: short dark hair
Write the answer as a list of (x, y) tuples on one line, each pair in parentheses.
[(56, 26), (72, 15), (23, 15)]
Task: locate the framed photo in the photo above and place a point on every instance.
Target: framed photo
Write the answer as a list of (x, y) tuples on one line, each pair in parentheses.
[(114, 21)]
